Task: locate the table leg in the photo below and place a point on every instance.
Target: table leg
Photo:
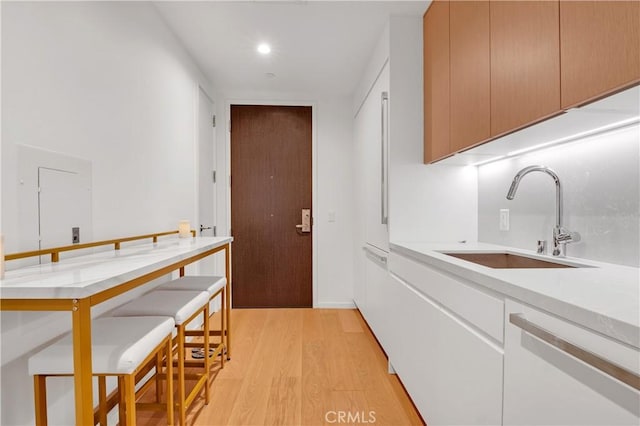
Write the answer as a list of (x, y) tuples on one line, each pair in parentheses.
[(40, 393), (227, 257), (83, 384)]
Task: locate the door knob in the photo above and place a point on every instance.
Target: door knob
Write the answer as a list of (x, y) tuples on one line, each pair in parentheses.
[(305, 226)]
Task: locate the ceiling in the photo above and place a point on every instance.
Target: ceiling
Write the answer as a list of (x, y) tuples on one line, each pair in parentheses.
[(318, 47)]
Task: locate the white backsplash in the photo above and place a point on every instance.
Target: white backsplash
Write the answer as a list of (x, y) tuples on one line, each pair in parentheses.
[(601, 184)]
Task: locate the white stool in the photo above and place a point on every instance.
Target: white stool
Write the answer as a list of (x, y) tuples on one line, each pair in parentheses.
[(184, 307), (119, 347), (215, 286)]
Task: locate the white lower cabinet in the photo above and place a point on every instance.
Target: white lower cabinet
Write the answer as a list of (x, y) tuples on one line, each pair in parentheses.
[(444, 337), (378, 293), (544, 385), (376, 275), (453, 374)]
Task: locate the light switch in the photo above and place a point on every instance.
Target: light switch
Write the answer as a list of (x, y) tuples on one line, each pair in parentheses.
[(332, 216), (504, 219)]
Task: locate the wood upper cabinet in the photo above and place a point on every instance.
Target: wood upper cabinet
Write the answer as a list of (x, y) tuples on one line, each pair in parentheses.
[(436, 81), (600, 48), (469, 73), (525, 63), (494, 66)]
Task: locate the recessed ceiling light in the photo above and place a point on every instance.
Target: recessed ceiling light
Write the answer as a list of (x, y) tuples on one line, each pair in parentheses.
[(264, 48)]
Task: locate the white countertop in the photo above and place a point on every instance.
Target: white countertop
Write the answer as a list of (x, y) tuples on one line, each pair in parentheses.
[(602, 297), (86, 275)]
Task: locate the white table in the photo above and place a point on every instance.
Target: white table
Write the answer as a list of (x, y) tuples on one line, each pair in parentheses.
[(76, 284)]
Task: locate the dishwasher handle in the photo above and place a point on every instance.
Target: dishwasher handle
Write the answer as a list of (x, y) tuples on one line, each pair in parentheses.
[(379, 258)]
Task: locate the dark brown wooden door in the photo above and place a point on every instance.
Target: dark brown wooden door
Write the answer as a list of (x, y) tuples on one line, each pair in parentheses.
[(270, 185)]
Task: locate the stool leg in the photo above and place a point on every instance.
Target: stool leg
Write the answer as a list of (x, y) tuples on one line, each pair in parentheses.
[(223, 341), (102, 400), (130, 397), (122, 417), (169, 382), (181, 390), (227, 316), (158, 372), (207, 359), (40, 393)]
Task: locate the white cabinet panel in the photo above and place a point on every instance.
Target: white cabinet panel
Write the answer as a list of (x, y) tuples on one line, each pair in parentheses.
[(547, 386), (64, 204), (485, 311), (369, 141), (453, 375), (359, 283), (378, 290)]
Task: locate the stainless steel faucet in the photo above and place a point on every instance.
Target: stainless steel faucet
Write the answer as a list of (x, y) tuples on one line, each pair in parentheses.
[(560, 235)]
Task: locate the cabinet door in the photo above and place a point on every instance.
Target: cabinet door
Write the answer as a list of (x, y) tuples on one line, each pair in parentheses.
[(436, 81), (525, 63), (453, 375), (544, 385), (600, 48), (369, 132), (377, 277), (359, 283), (470, 81)]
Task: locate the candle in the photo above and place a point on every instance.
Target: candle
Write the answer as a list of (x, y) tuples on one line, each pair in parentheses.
[(184, 229)]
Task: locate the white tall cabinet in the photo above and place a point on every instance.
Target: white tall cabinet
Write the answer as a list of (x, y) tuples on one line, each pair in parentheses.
[(387, 118), (372, 141)]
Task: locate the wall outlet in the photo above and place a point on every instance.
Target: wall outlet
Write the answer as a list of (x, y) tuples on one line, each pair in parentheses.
[(504, 219), (332, 216)]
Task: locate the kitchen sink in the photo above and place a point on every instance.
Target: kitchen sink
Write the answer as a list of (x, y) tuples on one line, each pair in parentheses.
[(507, 260)]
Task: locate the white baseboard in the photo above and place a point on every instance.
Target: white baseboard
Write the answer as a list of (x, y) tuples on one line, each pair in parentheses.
[(335, 305)]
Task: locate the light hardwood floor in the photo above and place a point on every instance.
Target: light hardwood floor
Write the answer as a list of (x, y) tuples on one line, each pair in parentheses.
[(301, 367)]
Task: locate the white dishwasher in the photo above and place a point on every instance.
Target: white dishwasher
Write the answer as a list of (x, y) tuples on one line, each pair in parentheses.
[(553, 373)]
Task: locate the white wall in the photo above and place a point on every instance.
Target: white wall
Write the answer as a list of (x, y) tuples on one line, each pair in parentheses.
[(601, 184), (109, 83), (333, 187), (335, 193), (427, 202)]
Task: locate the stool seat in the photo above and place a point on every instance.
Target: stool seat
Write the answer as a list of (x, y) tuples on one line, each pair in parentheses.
[(209, 283), (181, 305), (119, 345), (184, 307)]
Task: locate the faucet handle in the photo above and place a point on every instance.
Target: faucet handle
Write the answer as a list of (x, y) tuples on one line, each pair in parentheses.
[(561, 237), (542, 246), (564, 236)]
